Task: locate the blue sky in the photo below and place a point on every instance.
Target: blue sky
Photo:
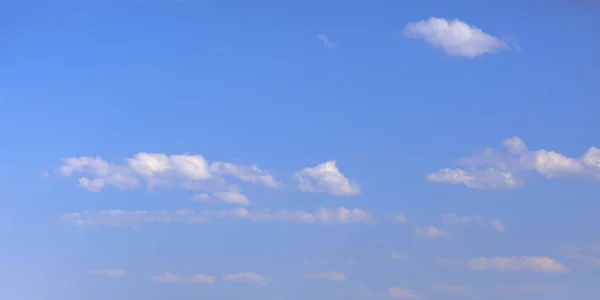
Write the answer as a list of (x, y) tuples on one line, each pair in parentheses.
[(299, 150)]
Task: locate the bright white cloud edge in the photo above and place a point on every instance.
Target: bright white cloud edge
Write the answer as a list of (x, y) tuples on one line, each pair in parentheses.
[(497, 169), (454, 37)]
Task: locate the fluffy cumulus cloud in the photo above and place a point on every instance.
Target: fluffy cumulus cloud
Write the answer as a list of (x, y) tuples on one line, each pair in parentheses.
[(454, 37), (168, 277), (133, 219), (326, 177), (500, 168), (109, 272), (246, 277), (401, 293), (161, 170), (331, 276), (523, 263)]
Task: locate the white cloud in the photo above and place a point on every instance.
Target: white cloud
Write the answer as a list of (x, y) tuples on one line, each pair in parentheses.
[(161, 170), (400, 293), (94, 185), (476, 179), (244, 173), (497, 225), (109, 272), (325, 216), (326, 41), (515, 145), (326, 177), (399, 256), (246, 277), (495, 169), (430, 232), (399, 218), (454, 37), (452, 289), (331, 276), (523, 263), (120, 218), (231, 197)]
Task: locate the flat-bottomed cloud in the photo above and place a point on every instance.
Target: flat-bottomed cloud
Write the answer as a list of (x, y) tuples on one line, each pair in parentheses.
[(454, 37)]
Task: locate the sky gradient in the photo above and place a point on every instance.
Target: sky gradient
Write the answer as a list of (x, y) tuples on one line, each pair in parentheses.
[(299, 150)]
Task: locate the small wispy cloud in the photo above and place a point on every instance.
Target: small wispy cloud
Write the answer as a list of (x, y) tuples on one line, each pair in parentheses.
[(326, 41)]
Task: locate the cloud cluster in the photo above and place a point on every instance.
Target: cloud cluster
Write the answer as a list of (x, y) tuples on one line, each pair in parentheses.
[(120, 218), (500, 169), (155, 170), (194, 172), (454, 37)]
